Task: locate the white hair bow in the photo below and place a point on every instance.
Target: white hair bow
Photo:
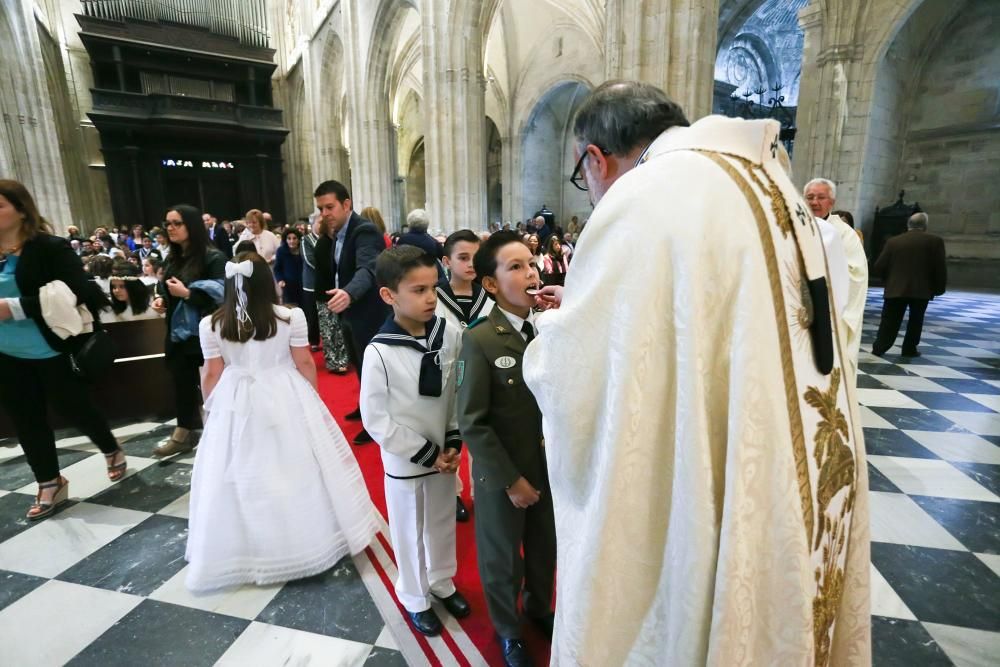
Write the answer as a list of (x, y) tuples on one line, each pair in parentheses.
[(238, 271)]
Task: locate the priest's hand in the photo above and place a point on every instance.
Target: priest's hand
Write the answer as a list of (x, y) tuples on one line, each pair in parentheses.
[(522, 494), (339, 300), (549, 297)]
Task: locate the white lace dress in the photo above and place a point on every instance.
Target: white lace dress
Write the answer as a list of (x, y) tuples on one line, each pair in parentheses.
[(276, 493)]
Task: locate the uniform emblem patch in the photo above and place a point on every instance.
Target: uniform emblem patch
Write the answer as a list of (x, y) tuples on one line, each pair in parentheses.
[(460, 371), (505, 362)]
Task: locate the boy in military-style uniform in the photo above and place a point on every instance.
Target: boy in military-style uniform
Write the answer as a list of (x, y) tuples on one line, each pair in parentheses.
[(501, 423)]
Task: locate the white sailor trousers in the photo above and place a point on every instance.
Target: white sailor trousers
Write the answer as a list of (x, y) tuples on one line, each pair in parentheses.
[(422, 528)]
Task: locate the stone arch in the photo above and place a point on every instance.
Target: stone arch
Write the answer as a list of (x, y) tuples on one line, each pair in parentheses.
[(297, 148), (329, 120), (546, 153)]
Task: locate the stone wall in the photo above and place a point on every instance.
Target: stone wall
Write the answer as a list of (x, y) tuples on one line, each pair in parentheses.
[(951, 157)]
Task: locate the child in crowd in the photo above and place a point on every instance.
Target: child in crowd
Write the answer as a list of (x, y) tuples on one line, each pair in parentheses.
[(460, 301), (129, 296), (276, 492), (408, 406), (500, 421)]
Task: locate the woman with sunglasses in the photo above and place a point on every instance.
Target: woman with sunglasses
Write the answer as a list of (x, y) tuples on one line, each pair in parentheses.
[(35, 365), (193, 265)]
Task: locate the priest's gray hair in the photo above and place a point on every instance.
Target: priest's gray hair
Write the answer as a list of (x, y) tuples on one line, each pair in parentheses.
[(917, 221), (822, 181), (418, 220), (620, 116)]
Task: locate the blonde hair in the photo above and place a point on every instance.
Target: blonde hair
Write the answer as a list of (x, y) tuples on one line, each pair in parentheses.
[(255, 215), (373, 214)]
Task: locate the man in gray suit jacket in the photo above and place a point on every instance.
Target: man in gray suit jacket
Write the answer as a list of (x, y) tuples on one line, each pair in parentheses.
[(914, 268)]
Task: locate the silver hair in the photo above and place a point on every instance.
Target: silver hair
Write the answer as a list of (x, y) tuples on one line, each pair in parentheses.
[(822, 181), (540, 219), (917, 221), (620, 116), (418, 221)]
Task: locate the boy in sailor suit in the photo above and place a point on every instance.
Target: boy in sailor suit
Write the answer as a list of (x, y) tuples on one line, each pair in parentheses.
[(501, 423), (408, 406), (461, 300)]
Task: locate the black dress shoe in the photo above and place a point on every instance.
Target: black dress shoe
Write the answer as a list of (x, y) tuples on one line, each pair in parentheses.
[(878, 354), (514, 653), (461, 514), (910, 353), (544, 624), (362, 438), (456, 605), (354, 416), (426, 622)]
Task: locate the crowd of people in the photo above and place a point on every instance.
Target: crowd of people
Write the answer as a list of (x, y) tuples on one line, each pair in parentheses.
[(661, 495)]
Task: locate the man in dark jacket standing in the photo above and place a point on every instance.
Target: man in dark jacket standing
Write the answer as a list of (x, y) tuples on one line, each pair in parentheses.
[(345, 273), (915, 271)]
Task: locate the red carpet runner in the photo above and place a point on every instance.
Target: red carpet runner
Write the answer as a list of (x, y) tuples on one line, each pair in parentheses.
[(340, 395)]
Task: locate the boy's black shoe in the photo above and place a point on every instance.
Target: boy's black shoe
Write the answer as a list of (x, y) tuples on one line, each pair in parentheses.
[(354, 416), (362, 438), (426, 622), (461, 513), (514, 653), (456, 605), (544, 624)]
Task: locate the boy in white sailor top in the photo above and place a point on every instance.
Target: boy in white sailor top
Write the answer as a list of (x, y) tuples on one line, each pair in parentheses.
[(408, 406), (461, 300)]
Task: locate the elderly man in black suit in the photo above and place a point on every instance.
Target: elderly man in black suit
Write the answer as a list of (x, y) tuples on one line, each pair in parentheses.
[(217, 235), (345, 272), (915, 271)]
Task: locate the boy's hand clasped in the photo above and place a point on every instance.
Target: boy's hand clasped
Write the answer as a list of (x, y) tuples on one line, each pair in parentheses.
[(447, 461)]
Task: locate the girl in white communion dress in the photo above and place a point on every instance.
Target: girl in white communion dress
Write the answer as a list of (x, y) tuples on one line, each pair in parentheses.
[(276, 493)]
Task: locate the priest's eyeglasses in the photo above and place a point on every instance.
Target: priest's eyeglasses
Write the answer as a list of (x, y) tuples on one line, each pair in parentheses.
[(577, 179)]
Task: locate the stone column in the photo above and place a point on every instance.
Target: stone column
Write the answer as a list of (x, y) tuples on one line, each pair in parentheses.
[(454, 113), (29, 143), (668, 43), (372, 135)]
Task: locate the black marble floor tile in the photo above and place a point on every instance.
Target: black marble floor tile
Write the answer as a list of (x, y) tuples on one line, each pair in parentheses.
[(879, 482), (995, 439), (882, 369), (149, 490), (13, 508), (335, 603), (973, 523), (938, 400), (982, 373), (138, 562), (986, 474), (868, 382), (14, 586), (941, 586), (15, 473), (893, 442), (385, 657), (917, 420), (900, 643), (162, 634), (967, 386), (144, 444)]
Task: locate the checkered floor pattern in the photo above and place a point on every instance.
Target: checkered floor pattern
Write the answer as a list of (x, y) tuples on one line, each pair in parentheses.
[(101, 582)]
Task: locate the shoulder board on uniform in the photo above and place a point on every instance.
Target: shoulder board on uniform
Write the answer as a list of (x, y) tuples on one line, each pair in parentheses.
[(476, 322)]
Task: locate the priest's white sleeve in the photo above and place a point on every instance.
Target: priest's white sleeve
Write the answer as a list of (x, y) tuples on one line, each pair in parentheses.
[(390, 435)]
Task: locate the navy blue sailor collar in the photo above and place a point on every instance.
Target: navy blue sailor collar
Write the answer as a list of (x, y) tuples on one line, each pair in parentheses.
[(464, 315), (430, 362)]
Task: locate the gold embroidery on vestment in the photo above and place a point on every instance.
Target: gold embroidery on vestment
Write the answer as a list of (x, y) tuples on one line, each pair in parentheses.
[(788, 369)]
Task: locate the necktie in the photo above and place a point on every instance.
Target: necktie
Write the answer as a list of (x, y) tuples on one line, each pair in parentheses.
[(528, 331)]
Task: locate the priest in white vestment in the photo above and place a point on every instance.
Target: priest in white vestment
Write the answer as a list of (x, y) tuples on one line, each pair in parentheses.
[(821, 196), (705, 453)]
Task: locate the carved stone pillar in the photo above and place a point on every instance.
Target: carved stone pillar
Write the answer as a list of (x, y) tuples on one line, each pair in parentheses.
[(668, 43), (454, 113)]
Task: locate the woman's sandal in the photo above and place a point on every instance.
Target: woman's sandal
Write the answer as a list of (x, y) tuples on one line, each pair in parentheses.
[(116, 470), (40, 509)]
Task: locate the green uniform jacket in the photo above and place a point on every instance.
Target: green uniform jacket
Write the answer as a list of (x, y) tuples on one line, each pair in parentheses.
[(497, 413)]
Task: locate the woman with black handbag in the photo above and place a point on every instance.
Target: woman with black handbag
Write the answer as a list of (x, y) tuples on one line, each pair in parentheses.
[(36, 364), (192, 288)]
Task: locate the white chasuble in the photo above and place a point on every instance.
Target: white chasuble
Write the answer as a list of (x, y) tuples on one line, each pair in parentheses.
[(709, 482), (853, 311)]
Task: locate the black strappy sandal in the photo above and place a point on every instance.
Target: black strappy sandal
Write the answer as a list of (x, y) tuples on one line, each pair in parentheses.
[(116, 470)]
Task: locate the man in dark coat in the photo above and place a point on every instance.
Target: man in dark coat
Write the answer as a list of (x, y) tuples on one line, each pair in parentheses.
[(345, 273), (217, 235), (914, 268)]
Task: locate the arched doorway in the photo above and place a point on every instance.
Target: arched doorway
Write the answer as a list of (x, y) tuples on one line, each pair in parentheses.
[(416, 180), (494, 166), (547, 155)]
